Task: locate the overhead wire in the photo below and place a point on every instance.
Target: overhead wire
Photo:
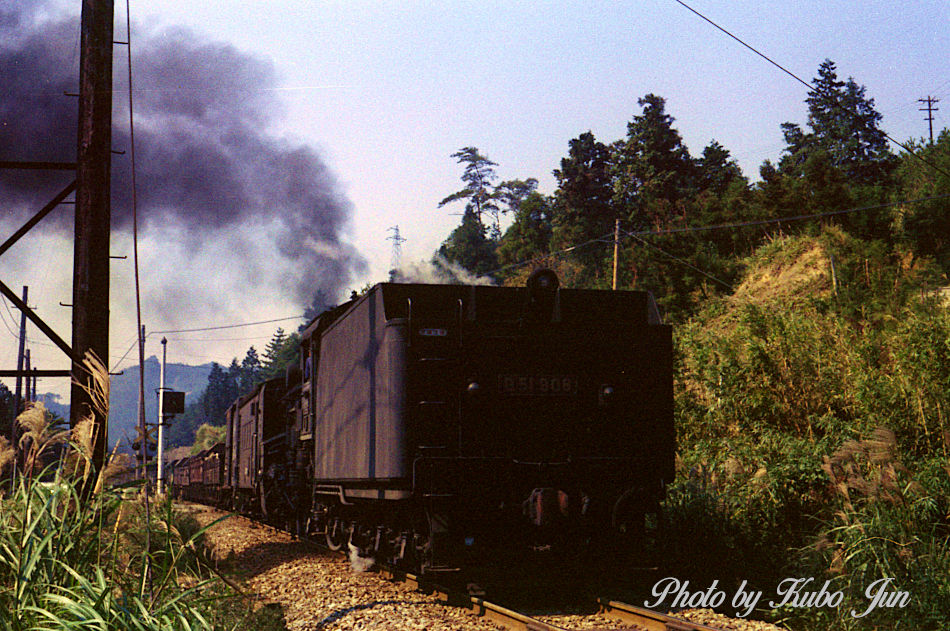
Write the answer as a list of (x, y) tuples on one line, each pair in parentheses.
[(678, 260), (221, 339), (794, 76), (758, 222), (608, 238), (228, 326), (2, 317), (550, 254)]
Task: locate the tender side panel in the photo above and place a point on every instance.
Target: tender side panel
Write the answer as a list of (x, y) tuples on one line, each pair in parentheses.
[(360, 395)]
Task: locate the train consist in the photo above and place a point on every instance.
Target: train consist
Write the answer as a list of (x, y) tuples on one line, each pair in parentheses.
[(427, 420)]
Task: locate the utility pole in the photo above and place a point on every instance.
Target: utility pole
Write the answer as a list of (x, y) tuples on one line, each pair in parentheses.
[(159, 477), (930, 109), (91, 251), (28, 397), (19, 363), (616, 250), (142, 427)]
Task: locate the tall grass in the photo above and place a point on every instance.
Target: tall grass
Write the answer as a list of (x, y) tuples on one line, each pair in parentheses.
[(813, 428), (71, 559)]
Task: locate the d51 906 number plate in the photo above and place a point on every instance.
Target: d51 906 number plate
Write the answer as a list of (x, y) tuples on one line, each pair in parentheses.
[(537, 385)]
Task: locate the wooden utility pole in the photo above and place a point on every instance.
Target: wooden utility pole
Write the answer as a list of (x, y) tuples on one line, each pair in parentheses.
[(19, 363), (91, 253), (930, 109), (616, 250), (28, 396)]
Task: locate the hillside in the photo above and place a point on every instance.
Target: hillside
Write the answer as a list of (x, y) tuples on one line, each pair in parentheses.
[(811, 420), (124, 393)]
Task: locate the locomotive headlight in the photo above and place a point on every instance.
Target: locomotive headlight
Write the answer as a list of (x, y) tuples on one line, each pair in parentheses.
[(605, 395), (473, 388)]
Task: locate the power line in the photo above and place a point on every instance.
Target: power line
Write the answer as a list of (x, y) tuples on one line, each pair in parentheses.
[(220, 339), (808, 85), (679, 260), (557, 253), (759, 222), (228, 326), (608, 238), (2, 317)]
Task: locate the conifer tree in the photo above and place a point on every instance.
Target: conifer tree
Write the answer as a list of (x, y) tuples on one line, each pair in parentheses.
[(652, 168), (478, 177), (845, 125)]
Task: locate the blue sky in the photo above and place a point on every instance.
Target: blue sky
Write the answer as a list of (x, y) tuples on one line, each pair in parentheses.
[(386, 91)]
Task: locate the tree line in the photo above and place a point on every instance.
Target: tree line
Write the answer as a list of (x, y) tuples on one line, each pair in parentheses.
[(648, 180)]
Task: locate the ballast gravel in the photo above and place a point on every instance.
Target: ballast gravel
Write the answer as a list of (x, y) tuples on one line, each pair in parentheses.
[(318, 590)]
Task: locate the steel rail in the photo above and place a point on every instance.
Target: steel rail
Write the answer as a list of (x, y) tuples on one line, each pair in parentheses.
[(647, 618), (508, 618)]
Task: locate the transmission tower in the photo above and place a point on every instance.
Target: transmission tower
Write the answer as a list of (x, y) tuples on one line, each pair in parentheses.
[(397, 240)]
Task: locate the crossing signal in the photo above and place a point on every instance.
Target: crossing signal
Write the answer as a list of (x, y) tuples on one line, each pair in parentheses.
[(147, 438)]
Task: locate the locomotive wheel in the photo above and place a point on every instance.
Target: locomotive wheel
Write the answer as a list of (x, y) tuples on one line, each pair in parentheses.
[(336, 533)]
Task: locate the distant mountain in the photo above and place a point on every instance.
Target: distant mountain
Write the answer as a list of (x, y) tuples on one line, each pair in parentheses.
[(124, 395)]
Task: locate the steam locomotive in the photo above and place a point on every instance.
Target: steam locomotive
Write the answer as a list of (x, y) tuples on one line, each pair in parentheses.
[(427, 420)]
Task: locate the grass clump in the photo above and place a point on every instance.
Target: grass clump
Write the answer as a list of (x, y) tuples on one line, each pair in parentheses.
[(75, 554)]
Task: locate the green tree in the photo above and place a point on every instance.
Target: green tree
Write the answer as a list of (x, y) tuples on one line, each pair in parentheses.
[(216, 392), (582, 208), (469, 246), (207, 436), (716, 170), (250, 371), (845, 124), (282, 350), (478, 177), (844, 159), (925, 226), (512, 193), (653, 171), (272, 350), (529, 235)]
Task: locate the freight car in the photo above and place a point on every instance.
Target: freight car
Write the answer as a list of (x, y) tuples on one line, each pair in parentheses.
[(427, 420), (200, 477)]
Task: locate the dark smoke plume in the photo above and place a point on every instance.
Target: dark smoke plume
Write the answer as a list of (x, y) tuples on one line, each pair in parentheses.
[(206, 160)]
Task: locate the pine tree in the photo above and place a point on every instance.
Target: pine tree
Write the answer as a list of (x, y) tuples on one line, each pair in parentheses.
[(282, 350), (478, 177), (652, 169), (582, 208), (272, 350), (514, 192), (529, 235), (469, 246), (716, 170), (250, 371), (845, 126)]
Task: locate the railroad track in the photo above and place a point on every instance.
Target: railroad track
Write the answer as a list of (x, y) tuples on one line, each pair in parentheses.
[(633, 617), (648, 619), (626, 615)]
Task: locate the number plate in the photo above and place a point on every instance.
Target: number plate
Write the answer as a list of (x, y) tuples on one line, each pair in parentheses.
[(537, 385)]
